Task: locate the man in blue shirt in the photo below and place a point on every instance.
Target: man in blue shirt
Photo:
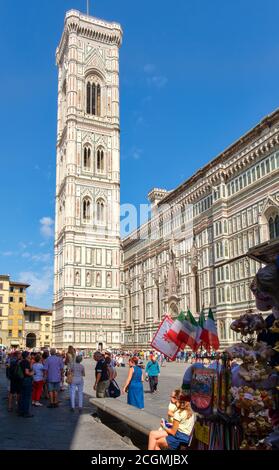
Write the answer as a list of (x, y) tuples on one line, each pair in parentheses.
[(152, 372)]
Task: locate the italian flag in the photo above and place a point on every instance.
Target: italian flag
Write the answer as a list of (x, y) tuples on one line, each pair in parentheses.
[(175, 330), (200, 327), (188, 331), (209, 335)]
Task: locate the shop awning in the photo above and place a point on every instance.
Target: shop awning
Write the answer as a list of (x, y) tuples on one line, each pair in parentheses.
[(265, 252)]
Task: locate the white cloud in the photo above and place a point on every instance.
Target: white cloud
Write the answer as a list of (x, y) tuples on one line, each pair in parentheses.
[(47, 227), (136, 153), (40, 283), (149, 68), (140, 120), (7, 253), (41, 257), (158, 81), (23, 245)]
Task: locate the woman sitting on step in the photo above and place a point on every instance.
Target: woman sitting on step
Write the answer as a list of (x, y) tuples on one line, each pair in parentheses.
[(181, 430)]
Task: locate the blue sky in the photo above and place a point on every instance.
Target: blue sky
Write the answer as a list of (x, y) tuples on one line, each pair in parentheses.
[(195, 75)]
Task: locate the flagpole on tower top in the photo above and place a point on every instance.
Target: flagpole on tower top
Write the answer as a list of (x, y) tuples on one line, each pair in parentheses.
[(88, 1)]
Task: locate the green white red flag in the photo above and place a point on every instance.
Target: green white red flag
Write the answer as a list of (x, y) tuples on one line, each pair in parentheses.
[(175, 330), (188, 331), (200, 326), (183, 331), (209, 335)]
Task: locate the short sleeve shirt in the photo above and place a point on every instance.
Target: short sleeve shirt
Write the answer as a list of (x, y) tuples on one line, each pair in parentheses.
[(102, 368), (24, 364), (185, 424), (172, 408)]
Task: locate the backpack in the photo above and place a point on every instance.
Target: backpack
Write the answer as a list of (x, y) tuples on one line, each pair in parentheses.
[(11, 369), (19, 371), (114, 390)]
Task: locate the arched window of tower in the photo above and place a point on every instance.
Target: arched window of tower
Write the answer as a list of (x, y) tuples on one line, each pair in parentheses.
[(86, 210), (87, 157), (100, 160), (100, 211), (93, 96)]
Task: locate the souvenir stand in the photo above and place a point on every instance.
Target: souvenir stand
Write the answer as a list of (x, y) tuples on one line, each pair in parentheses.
[(209, 387), (236, 396)]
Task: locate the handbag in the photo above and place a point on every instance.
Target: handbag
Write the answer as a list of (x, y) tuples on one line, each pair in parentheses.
[(70, 376), (114, 390)]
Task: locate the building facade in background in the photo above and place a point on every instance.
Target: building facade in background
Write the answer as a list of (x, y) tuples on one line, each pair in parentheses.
[(37, 327), (20, 324), (4, 307), (87, 227), (200, 234), (17, 302)]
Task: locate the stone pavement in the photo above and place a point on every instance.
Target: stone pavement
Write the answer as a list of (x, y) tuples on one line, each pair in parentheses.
[(55, 429), (60, 429), (170, 378)]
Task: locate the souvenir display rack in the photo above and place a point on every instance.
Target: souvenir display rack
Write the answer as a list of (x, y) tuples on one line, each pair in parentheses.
[(243, 415)]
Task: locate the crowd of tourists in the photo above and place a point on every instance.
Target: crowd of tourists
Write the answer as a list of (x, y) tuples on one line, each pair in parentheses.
[(36, 376), (33, 376)]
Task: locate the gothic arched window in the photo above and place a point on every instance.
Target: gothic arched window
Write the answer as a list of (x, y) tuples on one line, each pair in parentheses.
[(87, 158), (93, 98), (277, 226), (100, 210), (222, 329), (86, 210), (271, 228), (88, 98), (98, 279), (273, 224), (98, 100), (100, 161)]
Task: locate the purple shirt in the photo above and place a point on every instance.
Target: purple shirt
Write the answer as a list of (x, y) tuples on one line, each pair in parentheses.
[(53, 366)]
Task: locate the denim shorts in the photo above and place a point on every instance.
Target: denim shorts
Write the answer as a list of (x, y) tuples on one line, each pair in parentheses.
[(175, 441), (53, 386)]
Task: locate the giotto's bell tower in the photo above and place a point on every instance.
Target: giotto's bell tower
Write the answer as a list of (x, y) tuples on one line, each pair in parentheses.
[(87, 219)]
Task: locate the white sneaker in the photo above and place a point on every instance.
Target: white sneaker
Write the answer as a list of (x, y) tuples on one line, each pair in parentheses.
[(37, 403)]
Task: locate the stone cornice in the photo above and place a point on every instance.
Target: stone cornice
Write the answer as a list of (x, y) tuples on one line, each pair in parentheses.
[(90, 28), (232, 160), (240, 155)]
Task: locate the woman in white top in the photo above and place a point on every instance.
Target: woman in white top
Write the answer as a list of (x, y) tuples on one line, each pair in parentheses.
[(180, 432), (155, 435), (38, 380), (77, 374)]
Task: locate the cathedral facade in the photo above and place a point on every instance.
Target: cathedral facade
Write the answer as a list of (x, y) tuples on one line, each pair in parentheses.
[(191, 253), (87, 232), (113, 293)]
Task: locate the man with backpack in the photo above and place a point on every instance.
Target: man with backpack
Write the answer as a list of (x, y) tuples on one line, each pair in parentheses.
[(15, 381), (102, 381), (25, 374)]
